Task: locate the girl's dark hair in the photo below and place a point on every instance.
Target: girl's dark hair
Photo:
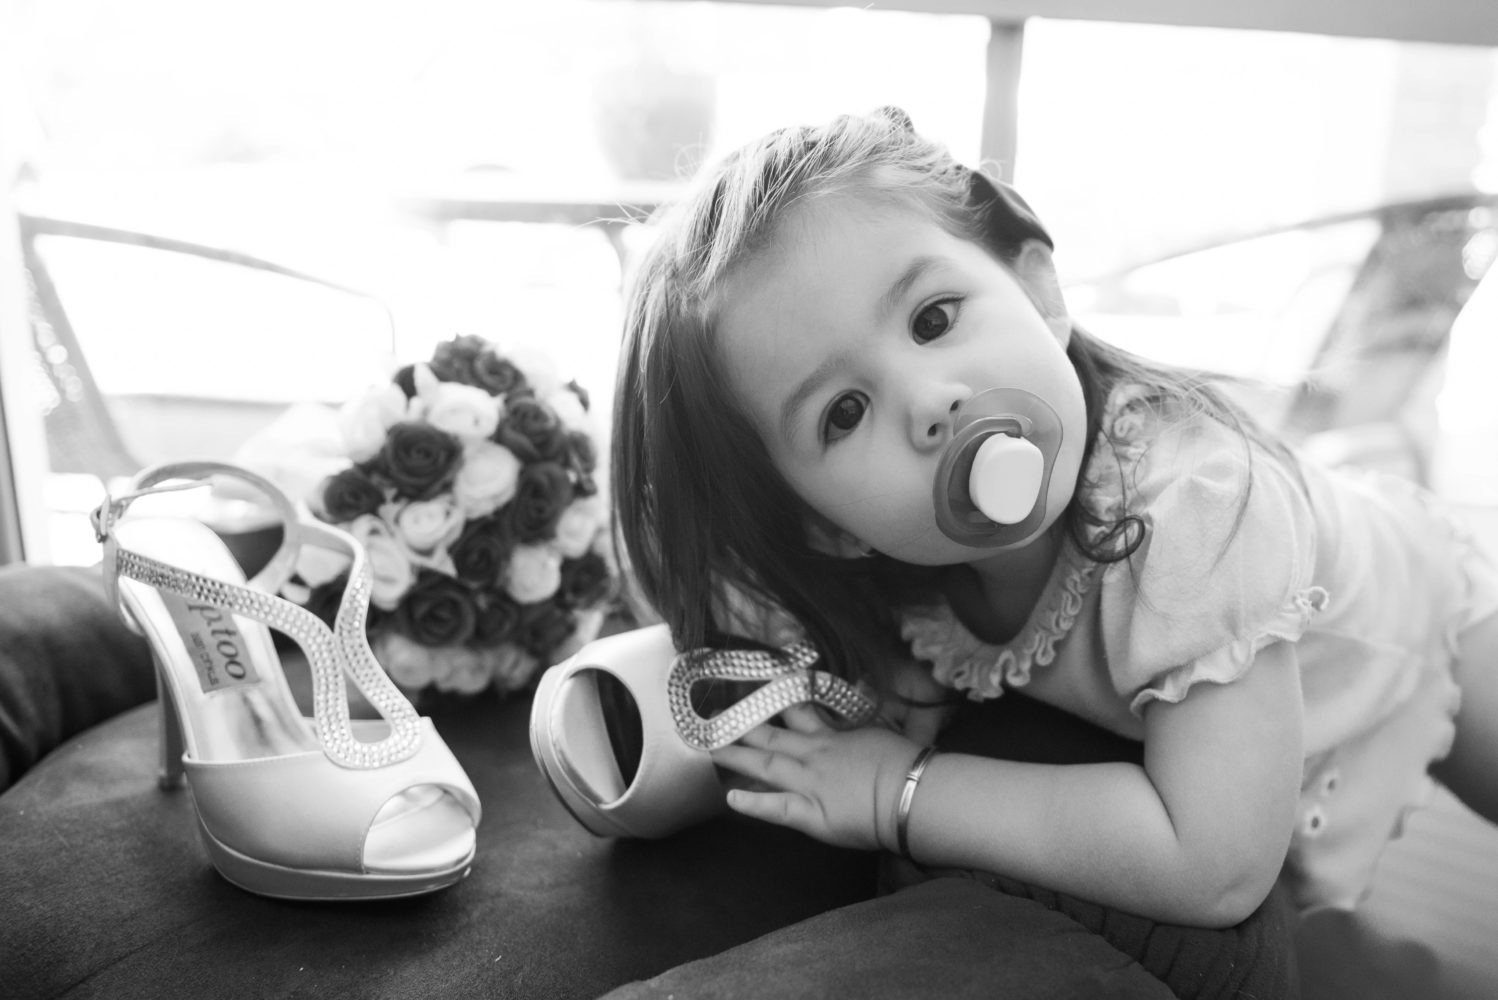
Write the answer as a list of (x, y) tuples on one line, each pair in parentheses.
[(704, 520)]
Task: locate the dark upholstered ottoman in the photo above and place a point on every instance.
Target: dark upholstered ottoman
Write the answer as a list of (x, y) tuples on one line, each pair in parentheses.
[(105, 891)]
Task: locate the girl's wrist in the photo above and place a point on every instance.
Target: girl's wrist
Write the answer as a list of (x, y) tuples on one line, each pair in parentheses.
[(905, 802)]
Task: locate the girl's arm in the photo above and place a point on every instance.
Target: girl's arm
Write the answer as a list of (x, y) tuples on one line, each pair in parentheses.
[(1195, 836)]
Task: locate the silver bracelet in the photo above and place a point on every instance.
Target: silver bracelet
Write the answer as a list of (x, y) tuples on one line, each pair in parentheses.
[(907, 795)]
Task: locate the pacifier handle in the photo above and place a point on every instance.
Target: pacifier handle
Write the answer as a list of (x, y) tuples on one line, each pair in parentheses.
[(1007, 475)]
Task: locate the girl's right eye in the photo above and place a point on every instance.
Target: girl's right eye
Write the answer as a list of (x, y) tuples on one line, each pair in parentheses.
[(843, 415)]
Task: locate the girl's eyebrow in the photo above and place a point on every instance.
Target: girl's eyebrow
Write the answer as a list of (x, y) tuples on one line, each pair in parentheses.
[(902, 285), (790, 410)]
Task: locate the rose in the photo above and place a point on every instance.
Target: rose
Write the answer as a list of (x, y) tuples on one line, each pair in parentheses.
[(579, 525), (364, 420), (324, 599), (589, 623), (461, 669), (425, 525), (539, 367), (543, 627), (453, 360), (498, 617), (583, 452), (534, 573), (350, 493), (482, 550), (419, 459), (316, 565), (542, 494), (390, 570), (495, 374), (437, 611), (584, 581), (511, 667), (531, 430), (570, 410), (487, 479), (465, 411), (410, 665)]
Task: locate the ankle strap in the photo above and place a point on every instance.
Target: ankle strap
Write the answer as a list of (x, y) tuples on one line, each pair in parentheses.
[(174, 477)]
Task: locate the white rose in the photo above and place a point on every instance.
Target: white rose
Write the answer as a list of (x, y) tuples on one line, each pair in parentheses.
[(426, 525), (570, 410), (465, 670), (511, 667), (486, 479), (579, 525), (538, 368), (389, 566), (364, 420), (317, 565), (535, 573), (409, 664), (466, 411)]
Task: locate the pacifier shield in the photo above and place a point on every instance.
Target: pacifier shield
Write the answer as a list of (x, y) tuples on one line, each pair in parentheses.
[(993, 476)]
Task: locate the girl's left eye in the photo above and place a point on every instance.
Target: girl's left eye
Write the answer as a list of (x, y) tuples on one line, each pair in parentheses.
[(933, 321)]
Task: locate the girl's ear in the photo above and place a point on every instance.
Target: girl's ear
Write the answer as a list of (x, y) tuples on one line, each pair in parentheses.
[(1037, 273)]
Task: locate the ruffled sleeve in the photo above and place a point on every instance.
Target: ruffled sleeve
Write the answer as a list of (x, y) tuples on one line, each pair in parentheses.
[(1225, 567)]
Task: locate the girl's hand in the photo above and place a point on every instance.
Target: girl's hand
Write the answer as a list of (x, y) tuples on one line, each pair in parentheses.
[(917, 706), (837, 786)]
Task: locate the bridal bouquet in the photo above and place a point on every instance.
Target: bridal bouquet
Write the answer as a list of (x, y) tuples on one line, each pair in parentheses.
[(472, 483)]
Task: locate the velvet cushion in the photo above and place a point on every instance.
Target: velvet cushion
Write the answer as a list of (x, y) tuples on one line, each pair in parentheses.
[(105, 890), (67, 661)]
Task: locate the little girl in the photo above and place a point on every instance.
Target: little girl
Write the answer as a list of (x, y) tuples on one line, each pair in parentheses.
[(808, 339)]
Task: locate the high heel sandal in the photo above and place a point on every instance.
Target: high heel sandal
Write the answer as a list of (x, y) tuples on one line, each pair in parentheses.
[(311, 809), (619, 736)]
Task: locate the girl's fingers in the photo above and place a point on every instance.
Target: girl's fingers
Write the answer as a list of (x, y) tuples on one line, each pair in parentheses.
[(804, 719), (780, 808), (776, 769), (781, 740)]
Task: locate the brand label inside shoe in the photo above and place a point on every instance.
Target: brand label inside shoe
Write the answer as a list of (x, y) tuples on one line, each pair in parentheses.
[(217, 648)]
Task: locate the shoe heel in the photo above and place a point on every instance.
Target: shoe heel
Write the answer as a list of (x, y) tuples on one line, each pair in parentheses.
[(172, 773)]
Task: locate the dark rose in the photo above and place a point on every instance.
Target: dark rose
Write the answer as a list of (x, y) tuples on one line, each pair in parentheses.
[(419, 459), (326, 598), (406, 379), (542, 627), (497, 620), (482, 550), (586, 580), (541, 494), (582, 459), (437, 611), (531, 430), (349, 493), (496, 375), (452, 360)]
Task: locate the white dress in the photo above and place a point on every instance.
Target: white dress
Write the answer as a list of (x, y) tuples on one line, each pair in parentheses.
[(1365, 574)]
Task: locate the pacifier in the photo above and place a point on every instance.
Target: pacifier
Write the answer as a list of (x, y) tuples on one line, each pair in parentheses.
[(993, 476)]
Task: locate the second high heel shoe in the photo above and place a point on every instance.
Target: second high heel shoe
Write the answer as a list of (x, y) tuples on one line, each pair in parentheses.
[(638, 681), (314, 809)]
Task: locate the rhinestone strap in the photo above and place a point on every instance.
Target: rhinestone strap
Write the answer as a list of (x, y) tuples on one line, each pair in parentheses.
[(330, 653), (790, 682)]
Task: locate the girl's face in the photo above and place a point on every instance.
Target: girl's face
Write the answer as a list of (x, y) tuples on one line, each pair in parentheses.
[(852, 340)]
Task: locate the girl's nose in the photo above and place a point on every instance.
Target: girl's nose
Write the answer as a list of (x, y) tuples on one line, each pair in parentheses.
[(933, 415)]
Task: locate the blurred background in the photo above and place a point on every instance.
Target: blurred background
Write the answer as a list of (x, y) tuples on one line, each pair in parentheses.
[(211, 214), (226, 209)]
